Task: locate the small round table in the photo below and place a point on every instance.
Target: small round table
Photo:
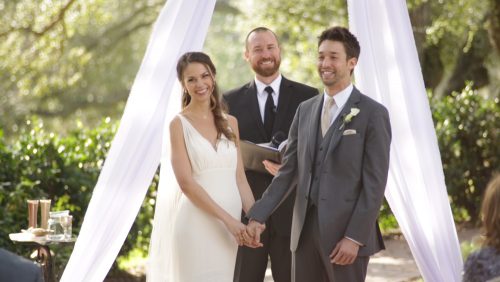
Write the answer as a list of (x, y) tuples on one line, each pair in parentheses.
[(41, 245)]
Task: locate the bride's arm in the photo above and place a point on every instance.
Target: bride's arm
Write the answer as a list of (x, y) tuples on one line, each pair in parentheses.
[(183, 173), (246, 194)]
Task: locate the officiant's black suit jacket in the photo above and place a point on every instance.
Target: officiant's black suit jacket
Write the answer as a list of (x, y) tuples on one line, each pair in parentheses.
[(242, 103)]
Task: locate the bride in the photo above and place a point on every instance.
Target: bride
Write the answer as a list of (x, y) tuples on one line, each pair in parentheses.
[(206, 161)]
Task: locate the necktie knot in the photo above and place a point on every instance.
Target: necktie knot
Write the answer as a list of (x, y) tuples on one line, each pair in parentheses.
[(269, 90), (326, 118), (329, 103)]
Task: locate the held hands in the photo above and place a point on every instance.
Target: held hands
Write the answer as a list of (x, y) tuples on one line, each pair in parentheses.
[(238, 230), (252, 234), (246, 235), (345, 252)]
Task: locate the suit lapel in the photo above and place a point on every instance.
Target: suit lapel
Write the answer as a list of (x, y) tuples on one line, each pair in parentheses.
[(314, 125), (253, 103), (286, 92), (337, 132)]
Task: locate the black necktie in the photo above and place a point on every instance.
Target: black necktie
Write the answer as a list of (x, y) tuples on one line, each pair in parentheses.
[(269, 112)]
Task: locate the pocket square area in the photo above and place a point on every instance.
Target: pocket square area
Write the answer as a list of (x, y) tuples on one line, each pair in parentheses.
[(349, 132)]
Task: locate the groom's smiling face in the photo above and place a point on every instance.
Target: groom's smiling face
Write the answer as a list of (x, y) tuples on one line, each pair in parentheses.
[(334, 67), (263, 53)]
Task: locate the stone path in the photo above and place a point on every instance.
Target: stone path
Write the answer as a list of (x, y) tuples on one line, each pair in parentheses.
[(395, 263)]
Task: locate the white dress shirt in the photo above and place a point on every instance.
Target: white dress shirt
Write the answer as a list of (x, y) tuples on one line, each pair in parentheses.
[(262, 94)]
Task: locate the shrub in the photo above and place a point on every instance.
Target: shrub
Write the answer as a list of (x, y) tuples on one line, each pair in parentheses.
[(467, 125)]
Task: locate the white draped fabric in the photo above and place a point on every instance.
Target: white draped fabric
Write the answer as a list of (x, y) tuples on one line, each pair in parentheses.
[(136, 149), (389, 71)]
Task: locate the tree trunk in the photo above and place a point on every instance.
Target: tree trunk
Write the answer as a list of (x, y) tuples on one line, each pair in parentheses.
[(494, 26), (470, 66)]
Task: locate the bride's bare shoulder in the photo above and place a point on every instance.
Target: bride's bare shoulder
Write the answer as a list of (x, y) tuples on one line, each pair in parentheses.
[(232, 121), (175, 124)]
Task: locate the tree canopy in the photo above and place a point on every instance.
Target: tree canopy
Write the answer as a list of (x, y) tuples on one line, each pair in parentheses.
[(66, 59)]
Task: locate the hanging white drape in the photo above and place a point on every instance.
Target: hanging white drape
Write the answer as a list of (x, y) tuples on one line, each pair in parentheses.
[(389, 71), (136, 149)]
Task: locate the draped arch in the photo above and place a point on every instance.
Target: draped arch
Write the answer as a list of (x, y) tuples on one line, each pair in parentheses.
[(388, 70)]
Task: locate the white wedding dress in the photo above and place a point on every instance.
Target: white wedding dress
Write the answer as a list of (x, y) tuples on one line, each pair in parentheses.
[(202, 248)]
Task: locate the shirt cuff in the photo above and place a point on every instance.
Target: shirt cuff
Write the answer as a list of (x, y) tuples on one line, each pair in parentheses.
[(357, 243)]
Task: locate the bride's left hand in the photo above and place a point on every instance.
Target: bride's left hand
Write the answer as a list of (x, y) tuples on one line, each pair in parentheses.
[(237, 229)]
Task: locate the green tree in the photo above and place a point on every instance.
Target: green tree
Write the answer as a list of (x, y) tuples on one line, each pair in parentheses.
[(69, 59)]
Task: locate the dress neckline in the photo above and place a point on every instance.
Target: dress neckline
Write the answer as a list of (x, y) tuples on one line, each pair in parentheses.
[(212, 145)]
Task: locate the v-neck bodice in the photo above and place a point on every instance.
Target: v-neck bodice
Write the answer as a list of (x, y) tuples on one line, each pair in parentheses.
[(203, 155)]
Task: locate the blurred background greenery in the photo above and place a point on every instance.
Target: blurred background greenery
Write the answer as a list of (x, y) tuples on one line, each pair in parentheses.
[(66, 68)]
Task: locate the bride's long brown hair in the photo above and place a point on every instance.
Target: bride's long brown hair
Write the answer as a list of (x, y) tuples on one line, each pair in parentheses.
[(490, 210), (216, 106)]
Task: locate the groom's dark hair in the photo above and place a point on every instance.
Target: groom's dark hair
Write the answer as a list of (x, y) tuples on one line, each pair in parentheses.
[(343, 35)]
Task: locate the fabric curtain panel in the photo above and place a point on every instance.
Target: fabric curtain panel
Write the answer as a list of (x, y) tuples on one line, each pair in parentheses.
[(389, 71), (137, 146)]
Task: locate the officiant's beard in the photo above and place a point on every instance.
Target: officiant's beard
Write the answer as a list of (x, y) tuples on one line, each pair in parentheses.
[(267, 71)]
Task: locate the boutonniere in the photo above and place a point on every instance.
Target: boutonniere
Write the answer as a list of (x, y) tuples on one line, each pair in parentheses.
[(348, 118)]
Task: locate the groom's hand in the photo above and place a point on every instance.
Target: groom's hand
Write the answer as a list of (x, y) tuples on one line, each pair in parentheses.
[(254, 229), (345, 252)]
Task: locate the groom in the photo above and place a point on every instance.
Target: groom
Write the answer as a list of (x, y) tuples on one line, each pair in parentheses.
[(338, 152)]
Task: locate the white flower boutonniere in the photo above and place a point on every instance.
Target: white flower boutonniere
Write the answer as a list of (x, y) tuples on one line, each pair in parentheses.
[(347, 118)]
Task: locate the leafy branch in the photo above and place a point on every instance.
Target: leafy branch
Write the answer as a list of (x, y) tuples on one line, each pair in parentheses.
[(59, 18)]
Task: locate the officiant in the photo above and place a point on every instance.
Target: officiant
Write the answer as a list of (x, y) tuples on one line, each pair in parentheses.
[(264, 107)]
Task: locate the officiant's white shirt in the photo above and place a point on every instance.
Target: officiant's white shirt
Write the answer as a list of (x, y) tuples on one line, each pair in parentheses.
[(262, 94)]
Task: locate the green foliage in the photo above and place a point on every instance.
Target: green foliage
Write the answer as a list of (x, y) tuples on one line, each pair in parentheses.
[(65, 169), (469, 247), (467, 125), (387, 221), (65, 58)]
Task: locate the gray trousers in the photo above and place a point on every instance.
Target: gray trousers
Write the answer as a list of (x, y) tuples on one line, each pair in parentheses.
[(311, 263)]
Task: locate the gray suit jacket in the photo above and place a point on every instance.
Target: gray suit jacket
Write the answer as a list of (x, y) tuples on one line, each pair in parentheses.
[(353, 179), (17, 268)]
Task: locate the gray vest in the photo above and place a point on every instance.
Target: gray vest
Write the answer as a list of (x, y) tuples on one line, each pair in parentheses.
[(319, 158)]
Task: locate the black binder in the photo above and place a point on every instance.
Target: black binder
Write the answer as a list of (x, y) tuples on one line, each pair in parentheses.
[(253, 155)]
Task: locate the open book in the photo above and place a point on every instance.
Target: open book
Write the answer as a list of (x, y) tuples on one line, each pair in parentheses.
[(254, 154)]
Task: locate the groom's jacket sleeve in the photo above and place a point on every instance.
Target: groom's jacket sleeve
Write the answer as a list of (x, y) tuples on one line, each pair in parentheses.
[(284, 182), (375, 168)]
